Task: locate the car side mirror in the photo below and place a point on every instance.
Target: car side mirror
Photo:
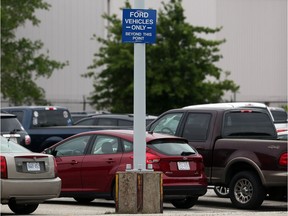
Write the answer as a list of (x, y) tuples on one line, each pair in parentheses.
[(50, 151)]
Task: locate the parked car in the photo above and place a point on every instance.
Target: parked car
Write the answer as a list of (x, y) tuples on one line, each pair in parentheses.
[(11, 128), (112, 120), (47, 125), (280, 118), (235, 143), (27, 178), (88, 162), (283, 135), (76, 116)]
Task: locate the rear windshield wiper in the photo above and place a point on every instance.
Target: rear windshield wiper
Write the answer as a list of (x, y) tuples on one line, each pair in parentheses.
[(187, 153)]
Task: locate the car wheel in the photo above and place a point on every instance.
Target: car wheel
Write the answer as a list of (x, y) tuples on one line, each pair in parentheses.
[(22, 208), (83, 200), (186, 203), (246, 191), (221, 191)]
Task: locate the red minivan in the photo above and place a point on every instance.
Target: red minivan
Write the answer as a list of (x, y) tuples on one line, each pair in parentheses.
[(88, 162)]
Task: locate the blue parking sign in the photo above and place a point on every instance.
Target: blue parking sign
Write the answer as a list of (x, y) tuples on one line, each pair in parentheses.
[(138, 26)]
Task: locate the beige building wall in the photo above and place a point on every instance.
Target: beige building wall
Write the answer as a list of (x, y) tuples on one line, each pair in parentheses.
[(256, 47), (255, 52)]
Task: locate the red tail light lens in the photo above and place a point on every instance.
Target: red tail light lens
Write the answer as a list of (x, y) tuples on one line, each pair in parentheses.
[(283, 159), (55, 168), (246, 111), (281, 130), (50, 108), (3, 167), (151, 158)]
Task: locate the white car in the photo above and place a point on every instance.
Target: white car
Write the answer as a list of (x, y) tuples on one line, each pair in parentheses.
[(283, 135), (27, 178), (280, 119)]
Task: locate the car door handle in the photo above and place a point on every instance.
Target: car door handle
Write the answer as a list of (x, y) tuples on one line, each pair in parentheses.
[(110, 160), (74, 162)]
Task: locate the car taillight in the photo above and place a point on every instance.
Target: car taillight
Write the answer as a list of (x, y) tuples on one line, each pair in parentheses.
[(50, 108), (3, 167), (281, 130), (283, 159), (55, 168), (246, 111), (27, 140), (152, 158)]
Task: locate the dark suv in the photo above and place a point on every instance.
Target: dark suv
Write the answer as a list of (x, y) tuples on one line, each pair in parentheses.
[(11, 128)]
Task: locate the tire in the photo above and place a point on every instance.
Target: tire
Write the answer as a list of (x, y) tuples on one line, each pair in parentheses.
[(22, 209), (114, 192), (221, 191), (186, 203), (246, 191), (83, 200)]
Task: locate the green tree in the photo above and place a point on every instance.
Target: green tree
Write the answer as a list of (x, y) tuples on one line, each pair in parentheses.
[(21, 60), (180, 66)]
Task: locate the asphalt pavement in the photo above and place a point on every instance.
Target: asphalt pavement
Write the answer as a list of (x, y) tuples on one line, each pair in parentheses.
[(208, 205)]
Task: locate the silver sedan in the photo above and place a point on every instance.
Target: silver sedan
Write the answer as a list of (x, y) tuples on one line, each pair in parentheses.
[(27, 178)]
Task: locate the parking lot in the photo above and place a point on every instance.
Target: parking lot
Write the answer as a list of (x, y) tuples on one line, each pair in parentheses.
[(209, 204)]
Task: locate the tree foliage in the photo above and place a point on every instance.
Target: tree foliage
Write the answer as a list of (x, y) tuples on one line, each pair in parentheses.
[(180, 66), (21, 60)]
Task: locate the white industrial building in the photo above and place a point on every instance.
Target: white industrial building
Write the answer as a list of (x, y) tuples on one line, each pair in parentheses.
[(255, 51)]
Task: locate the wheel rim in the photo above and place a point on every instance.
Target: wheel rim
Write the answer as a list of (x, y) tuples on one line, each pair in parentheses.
[(243, 191), (222, 190)]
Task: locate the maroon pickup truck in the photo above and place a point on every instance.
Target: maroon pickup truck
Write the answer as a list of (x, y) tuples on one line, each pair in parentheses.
[(239, 147)]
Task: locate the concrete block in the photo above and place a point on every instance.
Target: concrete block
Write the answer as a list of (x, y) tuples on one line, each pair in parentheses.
[(139, 192)]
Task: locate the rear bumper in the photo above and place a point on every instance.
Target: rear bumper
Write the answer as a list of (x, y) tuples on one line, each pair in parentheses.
[(30, 191), (172, 192), (181, 187), (275, 178)]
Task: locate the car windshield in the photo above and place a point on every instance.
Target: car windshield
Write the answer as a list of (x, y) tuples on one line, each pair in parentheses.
[(172, 147), (10, 124), (46, 118), (167, 124), (280, 116), (242, 123), (7, 146)]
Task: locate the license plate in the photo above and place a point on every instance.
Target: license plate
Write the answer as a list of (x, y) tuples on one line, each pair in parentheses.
[(33, 166), (183, 165)]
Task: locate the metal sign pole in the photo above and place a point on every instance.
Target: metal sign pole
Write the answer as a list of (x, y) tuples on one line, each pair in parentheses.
[(139, 27), (139, 162)]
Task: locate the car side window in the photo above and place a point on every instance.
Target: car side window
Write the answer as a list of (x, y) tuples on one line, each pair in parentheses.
[(86, 122), (107, 122), (125, 123), (167, 124), (105, 145), (73, 147), (128, 146), (196, 126)]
